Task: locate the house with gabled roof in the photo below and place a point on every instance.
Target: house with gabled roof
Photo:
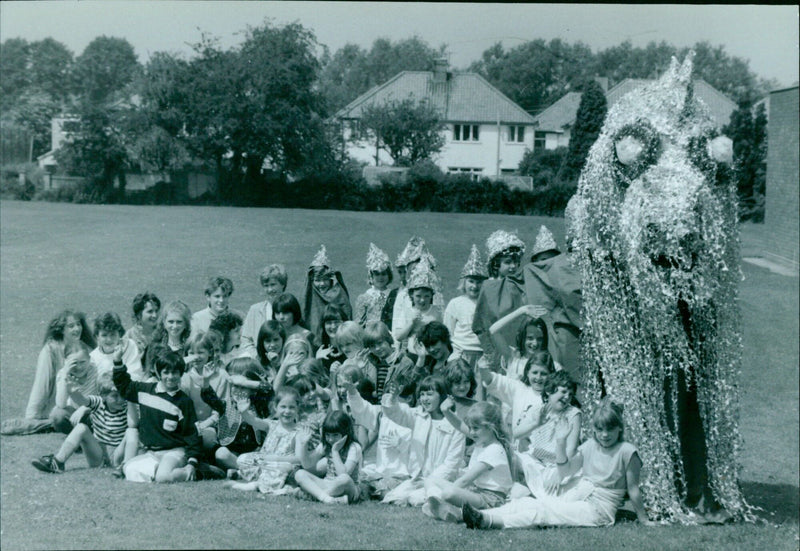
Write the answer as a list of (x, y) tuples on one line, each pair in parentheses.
[(553, 125), (486, 134)]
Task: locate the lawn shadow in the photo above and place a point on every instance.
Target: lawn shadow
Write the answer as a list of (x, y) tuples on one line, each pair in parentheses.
[(780, 502)]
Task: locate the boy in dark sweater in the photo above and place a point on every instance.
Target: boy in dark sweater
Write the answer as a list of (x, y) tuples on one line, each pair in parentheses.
[(170, 444)]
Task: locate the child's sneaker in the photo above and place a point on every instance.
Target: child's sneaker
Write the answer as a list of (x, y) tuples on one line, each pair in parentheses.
[(118, 472), (233, 474), (48, 464)]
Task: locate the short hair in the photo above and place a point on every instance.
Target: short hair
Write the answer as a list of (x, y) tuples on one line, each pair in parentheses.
[(168, 359), (353, 372), (457, 371), (542, 358), (219, 282), (349, 333), (108, 322), (387, 271), (210, 341), (287, 302), (140, 301), (434, 383), (608, 416), (494, 262), (434, 332), (376, 332), (523, 332), (55, 329), (226, 322), (274, 271), (268, 330), (558, 379)]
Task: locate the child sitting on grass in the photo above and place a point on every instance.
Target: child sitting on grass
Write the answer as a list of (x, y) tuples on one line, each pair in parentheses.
[(203, 368), (103, 444), (167, 429), (78, 373)]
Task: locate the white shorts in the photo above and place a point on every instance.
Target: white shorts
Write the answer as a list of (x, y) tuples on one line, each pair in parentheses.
[(142, 468)]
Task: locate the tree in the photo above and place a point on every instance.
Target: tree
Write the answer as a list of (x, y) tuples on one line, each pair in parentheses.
[(107, 65), (748, 130), (588, 123), (14, 55), (408, 130), (50, 68)]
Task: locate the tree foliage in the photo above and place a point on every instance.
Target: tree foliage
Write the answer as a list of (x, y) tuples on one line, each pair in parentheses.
[(409, 130), (588, 123), (748, 130), (107, 65)]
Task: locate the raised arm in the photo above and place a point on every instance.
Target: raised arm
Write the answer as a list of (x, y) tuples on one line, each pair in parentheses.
[(448, 408), (397, 412), (530, 310)]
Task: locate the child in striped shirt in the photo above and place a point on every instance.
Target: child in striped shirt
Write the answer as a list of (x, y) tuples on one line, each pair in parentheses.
[(104, 443)]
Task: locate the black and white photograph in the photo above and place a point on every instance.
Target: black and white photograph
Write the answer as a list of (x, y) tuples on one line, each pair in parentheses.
[(399, 275)]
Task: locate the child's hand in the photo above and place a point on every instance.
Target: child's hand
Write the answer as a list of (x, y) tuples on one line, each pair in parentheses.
[(533, 310), (388, 399), (77, 415), (349, 386), (324, 352), (335, 367), (562, 428), (551, 481), (119, 350), (339, 444), (304, 435), (209, 370), (484, 368), (272, 357), (448, 404), (243, 404)]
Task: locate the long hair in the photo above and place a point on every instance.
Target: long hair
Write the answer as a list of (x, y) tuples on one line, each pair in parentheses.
[(489, 415), (542, 358), (176, 307), (55, 329), (269, 329), (332, 312), (523, 333)]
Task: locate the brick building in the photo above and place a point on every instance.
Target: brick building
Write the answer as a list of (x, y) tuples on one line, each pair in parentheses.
[(782, 213)]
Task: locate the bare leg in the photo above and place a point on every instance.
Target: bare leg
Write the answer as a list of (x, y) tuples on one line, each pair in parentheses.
[(172, 468), (311, 484), (81, 436), (226, 458)]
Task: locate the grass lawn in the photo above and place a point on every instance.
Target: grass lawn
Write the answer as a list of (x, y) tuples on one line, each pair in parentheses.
[(97, 258)]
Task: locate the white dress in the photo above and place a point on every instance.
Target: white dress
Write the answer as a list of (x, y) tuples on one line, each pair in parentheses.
[(593, 501)]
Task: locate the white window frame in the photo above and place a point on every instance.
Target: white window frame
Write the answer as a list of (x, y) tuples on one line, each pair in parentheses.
[(461, 130), (516, 134)]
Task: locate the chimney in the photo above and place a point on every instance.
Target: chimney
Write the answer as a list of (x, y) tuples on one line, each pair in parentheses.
[(440, 66)]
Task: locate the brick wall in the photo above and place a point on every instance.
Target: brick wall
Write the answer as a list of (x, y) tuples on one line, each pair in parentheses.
[(782, 213)]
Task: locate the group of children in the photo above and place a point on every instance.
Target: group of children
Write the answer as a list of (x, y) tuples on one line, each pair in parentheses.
[(397, 399)]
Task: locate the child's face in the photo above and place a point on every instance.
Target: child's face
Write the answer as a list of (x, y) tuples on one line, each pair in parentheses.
[(421, 298), (381, 349), (171, 379), (218, 301), (533, 339), (72, 329), (560, 399), (402, 271), (174, 325), (332, 437), (429, 400), (508, 264), (297, 348), (287, 410), (472, 287), (77, 365), (273, 344), (438, 351), (350, 349), (285, 318), (114, 402), (380, 279), (537, 375), (481, 434), (202, 359), (323, 282), (272, 288), (107, 340), (460, 388), (331, 326), (606, 437), (233, 340), (149, 315)]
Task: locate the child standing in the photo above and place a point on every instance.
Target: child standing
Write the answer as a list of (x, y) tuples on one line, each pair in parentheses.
[(218, 292), (437, 448), (337, 457), (423, 283), (460, 311), (167, 430), (487, 480), (610, 467), (109, 333), (398, 298), (369, 305), (323, 286), (104, 443), (273, 280), (266, 470)]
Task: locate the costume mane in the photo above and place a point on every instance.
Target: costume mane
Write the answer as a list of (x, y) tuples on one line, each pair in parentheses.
[(654, 224)]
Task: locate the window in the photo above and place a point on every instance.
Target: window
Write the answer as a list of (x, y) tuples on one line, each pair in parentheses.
[(70, 126), (465, 132), (539, 140), (516, 134), (473, 173)]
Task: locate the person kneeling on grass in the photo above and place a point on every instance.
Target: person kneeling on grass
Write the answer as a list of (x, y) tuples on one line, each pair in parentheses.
[(104, 444), (167, 432)]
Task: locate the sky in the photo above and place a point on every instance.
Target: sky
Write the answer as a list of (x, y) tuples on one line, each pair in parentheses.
[(766, 36)]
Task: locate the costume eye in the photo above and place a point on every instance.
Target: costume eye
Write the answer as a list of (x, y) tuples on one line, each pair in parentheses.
[(637, 146)]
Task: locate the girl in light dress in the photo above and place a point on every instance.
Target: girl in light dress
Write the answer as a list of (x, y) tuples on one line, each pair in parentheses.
[(487, 480), (609, 467), (267, 469), (330, 471)]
